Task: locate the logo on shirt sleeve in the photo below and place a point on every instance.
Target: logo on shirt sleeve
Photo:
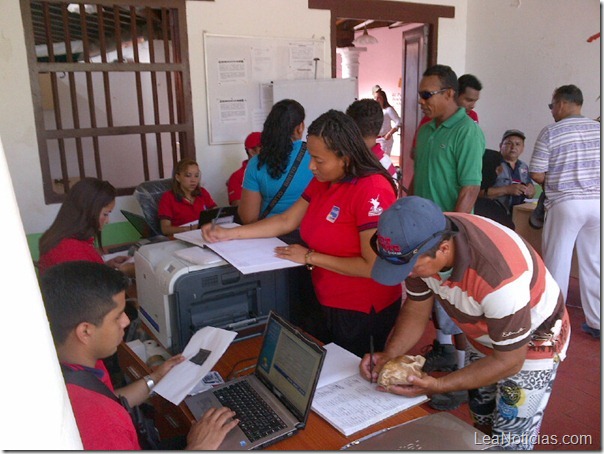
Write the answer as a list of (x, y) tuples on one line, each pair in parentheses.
[(375, 209)]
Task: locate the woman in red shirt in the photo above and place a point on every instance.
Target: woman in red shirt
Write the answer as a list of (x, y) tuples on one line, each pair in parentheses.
[(179, 208), (78, 224), (337, 215)]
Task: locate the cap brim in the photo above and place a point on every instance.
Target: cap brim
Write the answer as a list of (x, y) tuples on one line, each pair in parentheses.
[(390, 274)]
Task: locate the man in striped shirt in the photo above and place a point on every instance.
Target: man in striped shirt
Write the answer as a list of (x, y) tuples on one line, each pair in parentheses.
[(497, 290), (566, 161)]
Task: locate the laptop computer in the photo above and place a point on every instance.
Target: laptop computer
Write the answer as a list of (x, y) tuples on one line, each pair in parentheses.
[(225, 214), (436, 432), (139, 223), (285, 379)]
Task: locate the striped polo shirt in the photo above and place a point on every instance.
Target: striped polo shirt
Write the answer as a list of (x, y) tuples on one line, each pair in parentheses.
[(499, 292), (568, 151)]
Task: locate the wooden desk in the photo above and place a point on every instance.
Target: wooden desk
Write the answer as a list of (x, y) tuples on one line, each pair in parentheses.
[(318, 434)]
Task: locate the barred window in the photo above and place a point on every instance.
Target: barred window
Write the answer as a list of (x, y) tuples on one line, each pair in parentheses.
[(111, 89)]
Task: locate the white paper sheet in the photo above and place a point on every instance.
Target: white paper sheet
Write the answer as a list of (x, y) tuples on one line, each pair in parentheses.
[(194, 236), (198, 256), (339, 363), (177, 383), (253, 255)]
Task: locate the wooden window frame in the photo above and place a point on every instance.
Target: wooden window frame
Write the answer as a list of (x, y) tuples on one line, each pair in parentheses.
[(179, 126)]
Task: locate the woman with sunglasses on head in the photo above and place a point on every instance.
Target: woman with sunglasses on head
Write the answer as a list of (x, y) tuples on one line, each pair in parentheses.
[(337, 215), (82, 216)]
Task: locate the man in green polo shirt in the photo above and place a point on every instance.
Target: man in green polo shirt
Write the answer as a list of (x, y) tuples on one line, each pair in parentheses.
[(448, 171)]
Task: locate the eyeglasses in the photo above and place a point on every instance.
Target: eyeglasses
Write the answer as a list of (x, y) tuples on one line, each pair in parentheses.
[(428, 94), (398, 258)]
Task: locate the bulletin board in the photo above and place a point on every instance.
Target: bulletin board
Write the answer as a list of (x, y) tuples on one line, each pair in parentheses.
[(239, 75)]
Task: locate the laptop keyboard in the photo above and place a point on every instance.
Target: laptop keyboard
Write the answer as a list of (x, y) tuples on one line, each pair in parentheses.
[(256, 418)]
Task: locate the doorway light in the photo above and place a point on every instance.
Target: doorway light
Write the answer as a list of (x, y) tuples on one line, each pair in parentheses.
[(365, 39)]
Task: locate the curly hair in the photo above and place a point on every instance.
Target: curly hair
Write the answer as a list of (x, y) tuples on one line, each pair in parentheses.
[(277, 133), (368, 115)]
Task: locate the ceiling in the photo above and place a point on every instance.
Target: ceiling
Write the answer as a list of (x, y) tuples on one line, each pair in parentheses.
[(345, 28)]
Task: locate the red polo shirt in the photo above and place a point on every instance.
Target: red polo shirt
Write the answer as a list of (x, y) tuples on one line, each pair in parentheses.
[(182, 212), (336, 214)]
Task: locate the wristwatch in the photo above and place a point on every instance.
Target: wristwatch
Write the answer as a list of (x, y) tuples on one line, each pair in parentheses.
[(150, 382)]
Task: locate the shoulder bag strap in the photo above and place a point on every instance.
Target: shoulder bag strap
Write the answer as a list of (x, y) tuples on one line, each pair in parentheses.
[(87, 380), (285, 184)]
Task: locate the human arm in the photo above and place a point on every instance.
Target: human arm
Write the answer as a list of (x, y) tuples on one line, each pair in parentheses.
[(538, 177), (249, 206), (137, 392), (510, 189), (466, 199), (209, 432), (168, 229), (407, 331), (349, 266), (276, 225), (485, 371), (393, 117)]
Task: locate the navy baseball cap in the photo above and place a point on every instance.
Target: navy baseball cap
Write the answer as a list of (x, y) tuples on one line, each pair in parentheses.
[(409, 228)]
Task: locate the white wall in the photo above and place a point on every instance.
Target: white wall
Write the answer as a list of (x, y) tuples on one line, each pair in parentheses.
[(521, 51), (36, 411)]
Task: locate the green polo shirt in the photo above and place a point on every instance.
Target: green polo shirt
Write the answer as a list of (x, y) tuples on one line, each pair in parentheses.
[(447, 158)]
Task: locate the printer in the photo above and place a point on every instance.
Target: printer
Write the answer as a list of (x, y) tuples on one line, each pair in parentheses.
[(178, 295)]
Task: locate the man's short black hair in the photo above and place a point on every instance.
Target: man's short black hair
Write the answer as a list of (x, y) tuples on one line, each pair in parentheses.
[(468, 81), (570, 93), (77, 292), (368, 115), (446, 75)]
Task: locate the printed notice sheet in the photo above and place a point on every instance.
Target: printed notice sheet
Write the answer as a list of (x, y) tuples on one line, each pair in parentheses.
[(352, 403)]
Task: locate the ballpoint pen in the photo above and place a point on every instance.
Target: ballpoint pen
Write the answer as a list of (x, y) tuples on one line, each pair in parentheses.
[(216, 218), (371, 358)]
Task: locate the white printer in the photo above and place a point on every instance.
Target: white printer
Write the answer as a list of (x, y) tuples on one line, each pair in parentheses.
[(181, 289)]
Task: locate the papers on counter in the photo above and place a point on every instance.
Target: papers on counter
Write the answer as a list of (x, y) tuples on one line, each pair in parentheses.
[(179, 382), (248, 256), (349, 402)]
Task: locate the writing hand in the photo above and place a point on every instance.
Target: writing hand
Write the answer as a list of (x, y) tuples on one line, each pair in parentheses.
[(379, 359), (209, 432), (213, 233)]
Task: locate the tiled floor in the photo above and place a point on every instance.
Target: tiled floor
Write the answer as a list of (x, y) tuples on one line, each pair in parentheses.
[(573, 415)]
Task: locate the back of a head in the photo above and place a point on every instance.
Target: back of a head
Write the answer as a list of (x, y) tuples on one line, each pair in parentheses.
[(569, 93), (77, 292), (368, 116), (277, 132), (79, 214), (446, 75), (343, 137), (468, 81)]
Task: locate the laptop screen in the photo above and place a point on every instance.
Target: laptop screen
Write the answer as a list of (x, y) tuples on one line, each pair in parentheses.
[(289, 364), (139, 223), (225, 214)]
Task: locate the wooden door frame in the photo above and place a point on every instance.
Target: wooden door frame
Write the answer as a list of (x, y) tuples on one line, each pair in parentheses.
[(385, 10)]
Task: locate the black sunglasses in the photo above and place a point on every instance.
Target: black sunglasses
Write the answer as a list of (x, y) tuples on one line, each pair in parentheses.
[(428, 94), (398, 258)]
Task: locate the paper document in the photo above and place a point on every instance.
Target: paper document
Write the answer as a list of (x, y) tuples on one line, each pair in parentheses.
[(253, 255), (194, 236), (351, 403), (183, 377)]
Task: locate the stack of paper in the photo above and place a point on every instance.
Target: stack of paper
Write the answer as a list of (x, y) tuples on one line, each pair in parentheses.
[(349, 402)]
